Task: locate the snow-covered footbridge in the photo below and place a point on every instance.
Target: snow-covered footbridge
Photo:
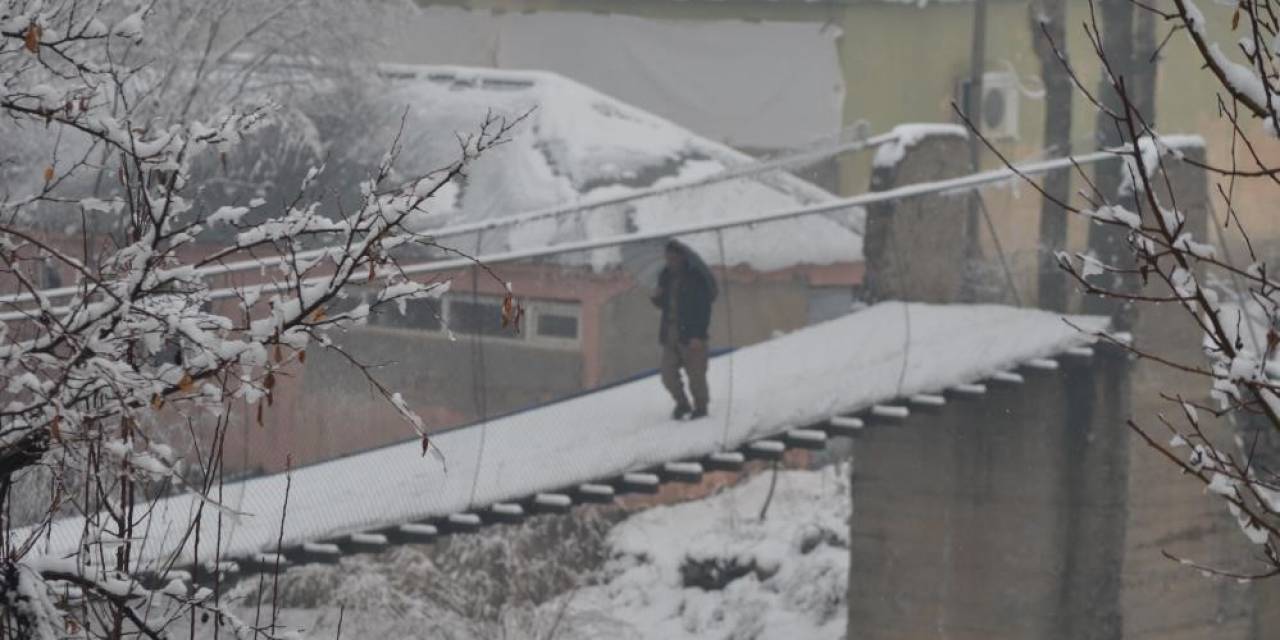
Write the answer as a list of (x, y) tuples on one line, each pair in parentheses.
[(795, 391)]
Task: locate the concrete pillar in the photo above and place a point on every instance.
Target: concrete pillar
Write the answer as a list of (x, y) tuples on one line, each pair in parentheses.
[(1035, 512), (915, 248), (1093, 507), (996, 518), (1187, 186)]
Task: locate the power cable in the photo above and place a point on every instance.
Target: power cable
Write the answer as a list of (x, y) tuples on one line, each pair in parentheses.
[(806, 155), (479, 377), (995, 240), (726, 283), (839, 205)]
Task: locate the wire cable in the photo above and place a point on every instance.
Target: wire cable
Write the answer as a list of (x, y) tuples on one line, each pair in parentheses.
[(479, 377), (725, 285), (995, 240)]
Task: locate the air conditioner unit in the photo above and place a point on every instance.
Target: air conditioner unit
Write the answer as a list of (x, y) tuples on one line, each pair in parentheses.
[(998, 111)]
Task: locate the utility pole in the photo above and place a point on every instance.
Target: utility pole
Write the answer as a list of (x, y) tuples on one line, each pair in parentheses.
[(1048, 20), (1107, 243), (973, 111), (977, 64)]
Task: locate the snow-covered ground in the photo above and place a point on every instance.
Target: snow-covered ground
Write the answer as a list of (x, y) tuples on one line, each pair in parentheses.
[(709, 568), (783, 577)]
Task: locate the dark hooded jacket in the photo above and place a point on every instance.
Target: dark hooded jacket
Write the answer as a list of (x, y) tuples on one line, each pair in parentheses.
[(697, 290)]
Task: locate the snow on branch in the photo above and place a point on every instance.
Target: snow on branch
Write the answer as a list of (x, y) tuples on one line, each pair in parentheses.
[(93, 388), (1152, 251), (1252, 85)]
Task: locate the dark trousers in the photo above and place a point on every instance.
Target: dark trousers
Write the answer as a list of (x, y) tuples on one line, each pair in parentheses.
[(676, 356)]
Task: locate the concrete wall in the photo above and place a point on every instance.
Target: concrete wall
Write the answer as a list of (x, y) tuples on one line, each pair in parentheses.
[(995, 518)]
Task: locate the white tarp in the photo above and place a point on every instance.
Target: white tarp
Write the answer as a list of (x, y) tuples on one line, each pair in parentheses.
[(749, 84)]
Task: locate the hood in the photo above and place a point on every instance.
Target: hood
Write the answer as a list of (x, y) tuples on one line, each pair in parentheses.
[(696, 266)]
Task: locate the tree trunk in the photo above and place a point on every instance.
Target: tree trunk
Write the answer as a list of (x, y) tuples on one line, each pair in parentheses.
[(1106, 241), (1048, 31), (973, 110), (1144, 61)]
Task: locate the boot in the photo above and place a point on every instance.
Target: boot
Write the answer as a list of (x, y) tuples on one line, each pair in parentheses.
[(680, 412), (700, 412)]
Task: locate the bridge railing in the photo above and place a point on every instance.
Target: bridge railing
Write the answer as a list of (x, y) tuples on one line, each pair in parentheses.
[(581, 319), (577, 321)]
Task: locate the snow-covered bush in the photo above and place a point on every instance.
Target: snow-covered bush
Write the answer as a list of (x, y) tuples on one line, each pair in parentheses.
[(128, 121), (488, 584), (601, 573), (478, 576), (785, 576)]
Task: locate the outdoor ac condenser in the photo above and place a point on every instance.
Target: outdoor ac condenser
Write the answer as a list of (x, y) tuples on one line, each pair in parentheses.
[(998, 110)]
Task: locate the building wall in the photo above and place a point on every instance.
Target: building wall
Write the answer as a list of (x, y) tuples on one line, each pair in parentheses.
[(328, 407), (754, 85), (749, 309), (890, 73), (901, 62)]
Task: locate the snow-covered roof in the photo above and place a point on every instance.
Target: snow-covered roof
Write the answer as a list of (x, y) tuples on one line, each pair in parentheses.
[(578, 143), (837, 367)]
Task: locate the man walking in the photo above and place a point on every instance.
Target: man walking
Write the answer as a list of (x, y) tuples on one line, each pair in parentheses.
[(686, 290)]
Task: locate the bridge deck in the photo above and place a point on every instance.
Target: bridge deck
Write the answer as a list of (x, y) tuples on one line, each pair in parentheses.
[(891, 350)]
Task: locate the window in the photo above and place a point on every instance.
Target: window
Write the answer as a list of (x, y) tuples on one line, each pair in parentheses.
[(546, 323), (482, 316), (48, 276), (421, 314), (554, 325), (828, 303), (554, 321)]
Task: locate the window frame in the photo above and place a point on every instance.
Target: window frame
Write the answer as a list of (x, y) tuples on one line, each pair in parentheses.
[(528, 335), (538, 307)]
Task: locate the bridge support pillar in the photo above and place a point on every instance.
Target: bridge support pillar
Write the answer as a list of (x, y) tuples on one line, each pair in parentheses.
[(1003, 518), (916, 248)]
